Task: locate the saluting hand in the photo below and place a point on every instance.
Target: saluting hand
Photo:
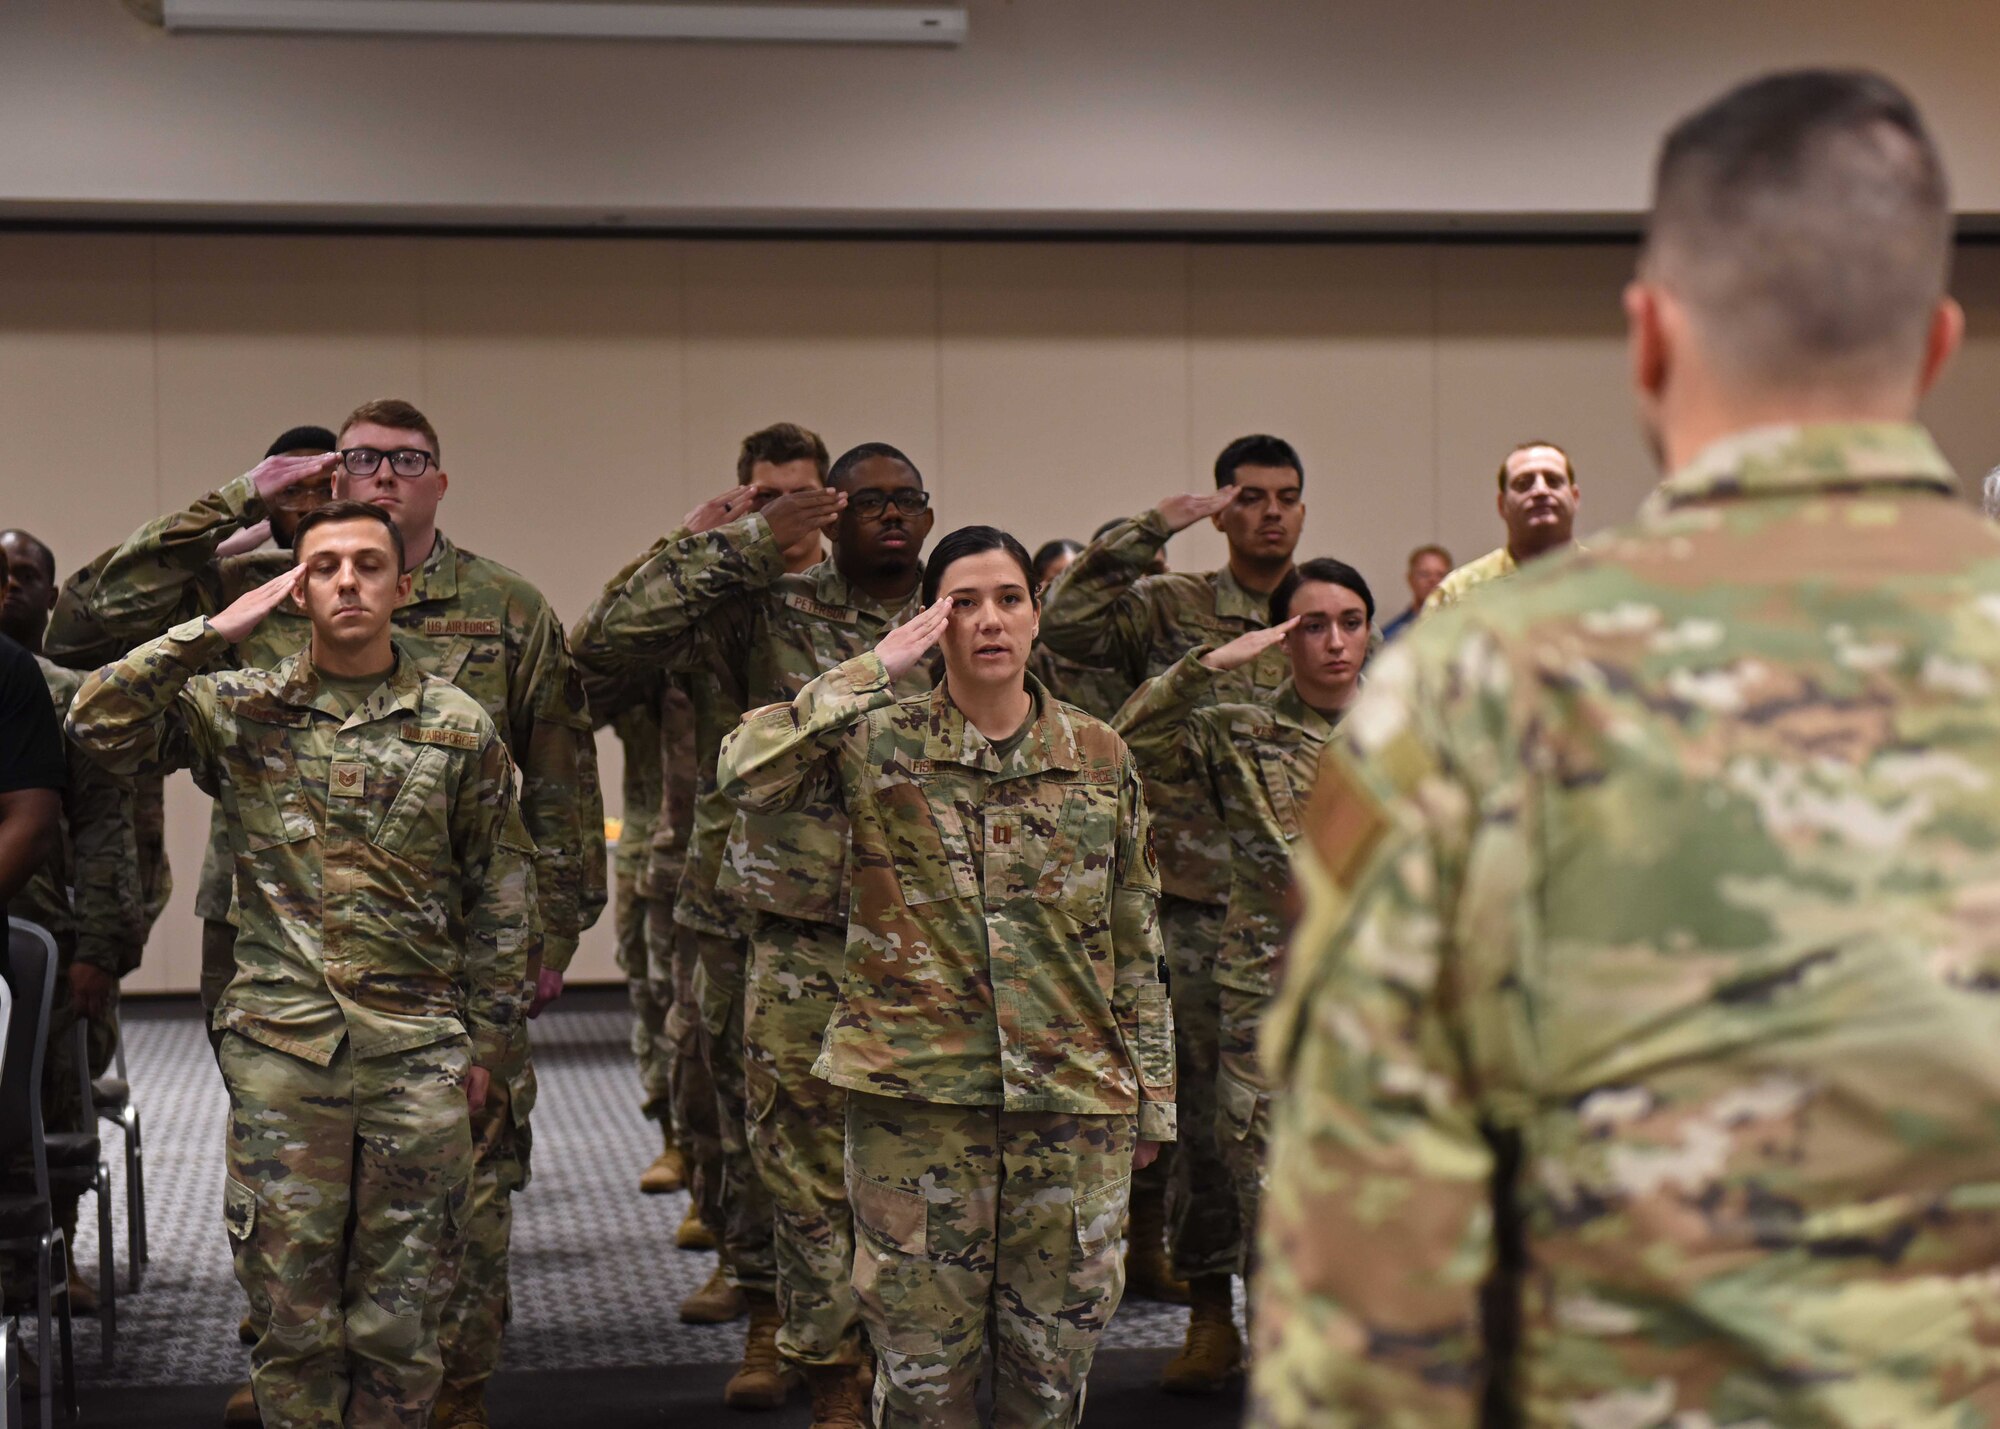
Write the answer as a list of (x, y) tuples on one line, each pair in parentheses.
[(797, 514), (733, 505), (248, 539), (902, 648), (277, 473), (1181, 512), (245, 613), (1245, 648)]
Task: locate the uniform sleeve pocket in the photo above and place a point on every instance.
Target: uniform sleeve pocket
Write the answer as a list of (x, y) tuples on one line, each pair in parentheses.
[(1077, 875), (1235, 1108), (239, 1209), (1155, 1036), (894, 1217), (1100, 1215)]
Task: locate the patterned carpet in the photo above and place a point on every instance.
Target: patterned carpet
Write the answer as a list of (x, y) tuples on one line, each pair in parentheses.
[(596, 1275)]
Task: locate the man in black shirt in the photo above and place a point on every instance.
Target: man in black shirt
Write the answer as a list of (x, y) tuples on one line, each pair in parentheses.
[(32, 771)]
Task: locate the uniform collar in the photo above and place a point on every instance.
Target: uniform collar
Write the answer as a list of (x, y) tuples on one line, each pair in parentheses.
[(1291, 710), (1050, 742), (1804, 460), (830, 587), (437, 577), (1232, 600), (298, 685)]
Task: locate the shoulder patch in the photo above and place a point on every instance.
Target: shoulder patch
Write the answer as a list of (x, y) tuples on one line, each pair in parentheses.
[(443, 625), (1345, 823), (807, 605), (450, 738)]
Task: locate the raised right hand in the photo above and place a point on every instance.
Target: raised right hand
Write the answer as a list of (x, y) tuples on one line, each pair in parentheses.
[(797, 514), (733, 505), (1247, 647), (904, 646), (1181, 512), (245, 613), (276, 473)]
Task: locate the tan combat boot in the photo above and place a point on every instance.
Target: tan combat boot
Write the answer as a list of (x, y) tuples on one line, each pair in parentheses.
[(693, 1235), (461, 1406), (668, 1171), (241, 1411), (838, 1399), (1149, 1275), (764, 1380), (1213, 1354), (716, 1303)]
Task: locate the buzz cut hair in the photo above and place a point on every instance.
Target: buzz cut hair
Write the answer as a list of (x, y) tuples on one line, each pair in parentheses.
[(1804, 221), (394, 412)]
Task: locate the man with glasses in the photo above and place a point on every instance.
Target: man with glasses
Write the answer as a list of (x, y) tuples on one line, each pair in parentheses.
[(722, 598), (487, 630)]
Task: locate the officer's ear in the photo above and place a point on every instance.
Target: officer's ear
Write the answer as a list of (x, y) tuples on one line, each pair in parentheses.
[(403, 583)]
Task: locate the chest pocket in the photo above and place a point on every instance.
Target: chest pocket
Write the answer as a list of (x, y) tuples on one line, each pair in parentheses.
[(416, 826), (926, 838), (1076, 875), (270, 798), (1274, 768)]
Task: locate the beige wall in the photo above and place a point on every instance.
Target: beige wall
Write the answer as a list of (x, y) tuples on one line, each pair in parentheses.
[(589, 393), (1120, 113)]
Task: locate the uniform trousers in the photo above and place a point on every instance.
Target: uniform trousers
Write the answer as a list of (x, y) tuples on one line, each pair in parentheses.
[(1243, 1107), (797, 1127), (731, 1189), (476, 1316), (345, 1193), (1204, 1233), (970, 1216), (649, 984)]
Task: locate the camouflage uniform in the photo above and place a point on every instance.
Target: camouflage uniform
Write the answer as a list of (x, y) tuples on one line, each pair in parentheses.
[(722, 600), (385, 893), (1641, 1042), (482, 627), (1000, 1012), (1098, 693), (1493, 566), (90, 898), (1107, 610), (1258, 763)]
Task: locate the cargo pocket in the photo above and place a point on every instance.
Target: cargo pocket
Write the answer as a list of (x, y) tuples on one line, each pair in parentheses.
[(239, 1210), (1096, 1275), (760, 1089), (713, 1002), (1235, 1109), (1077, 875), (894, 1282)]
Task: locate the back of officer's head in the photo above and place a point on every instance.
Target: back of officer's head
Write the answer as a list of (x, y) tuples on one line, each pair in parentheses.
[(1803, 222)]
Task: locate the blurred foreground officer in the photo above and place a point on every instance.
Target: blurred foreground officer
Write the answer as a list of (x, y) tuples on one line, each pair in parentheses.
[(1641, 1045), (1537, 504), (1001, 1028), (385, 892)]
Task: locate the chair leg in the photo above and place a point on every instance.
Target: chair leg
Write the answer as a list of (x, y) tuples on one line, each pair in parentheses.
[(11, 1330), (135, 1203), (137, 1142), (107, 1272)]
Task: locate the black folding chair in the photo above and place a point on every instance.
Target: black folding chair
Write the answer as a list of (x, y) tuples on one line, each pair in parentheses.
[(27, 1218), (76, 1165), (112, 1096)]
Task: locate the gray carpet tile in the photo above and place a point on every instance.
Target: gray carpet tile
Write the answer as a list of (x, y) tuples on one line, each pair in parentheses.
[(596, 1276)]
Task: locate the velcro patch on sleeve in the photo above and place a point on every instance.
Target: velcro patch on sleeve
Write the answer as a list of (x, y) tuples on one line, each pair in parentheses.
[(442, 625), (450, 738), (1345, 822)]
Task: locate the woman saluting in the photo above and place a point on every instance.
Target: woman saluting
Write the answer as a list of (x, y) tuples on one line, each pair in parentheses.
[(1001, 1027)]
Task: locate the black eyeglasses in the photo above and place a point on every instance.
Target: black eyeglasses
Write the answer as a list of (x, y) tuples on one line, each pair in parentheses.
[(407, 462), (870, 504)]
